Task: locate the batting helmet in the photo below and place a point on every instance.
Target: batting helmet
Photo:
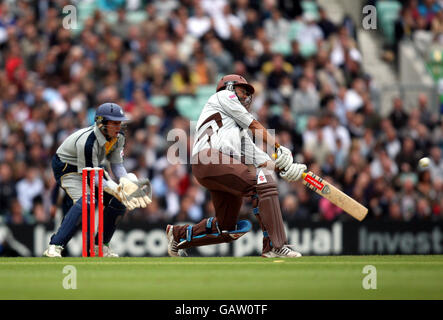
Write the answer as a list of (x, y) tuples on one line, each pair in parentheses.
[(109, 111), (234, 80)]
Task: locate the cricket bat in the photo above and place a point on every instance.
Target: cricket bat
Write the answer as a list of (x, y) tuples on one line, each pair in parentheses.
[(333, 194)]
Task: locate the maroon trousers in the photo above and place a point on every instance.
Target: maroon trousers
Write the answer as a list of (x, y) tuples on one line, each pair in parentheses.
[(228, 181)]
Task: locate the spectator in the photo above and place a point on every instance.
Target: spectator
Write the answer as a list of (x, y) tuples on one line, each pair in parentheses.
[(28, 188), (137, 81), (199, 23), (307, 205), (395, 211), (290, 9), (305, 98), (437, 22), (428, 9), (289, 207), (436, 164), (275, 70), (427, 118), (17, 216), (408, 155), (224, 21), (408, 200), (310, 35), (354, 97), (252, 23), (325, 24), (219, 56), (392, 143), (204, 68), (317, 148), (184, 81), (328, 211), (277, 28), (333, 132), (383, 166), (7, 190), (51, 78), (398, 115)]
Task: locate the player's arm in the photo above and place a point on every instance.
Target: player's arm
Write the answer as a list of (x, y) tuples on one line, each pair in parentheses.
[(133, 192), (284, 161), (231, 105), (259, 131)]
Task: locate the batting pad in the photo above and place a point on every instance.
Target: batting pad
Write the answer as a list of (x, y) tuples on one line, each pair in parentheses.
[(269, 213)]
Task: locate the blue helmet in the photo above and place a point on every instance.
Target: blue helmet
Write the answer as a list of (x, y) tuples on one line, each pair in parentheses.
[(109, 111)]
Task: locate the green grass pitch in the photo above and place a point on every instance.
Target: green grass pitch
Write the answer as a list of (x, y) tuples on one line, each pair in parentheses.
[(326, 277)]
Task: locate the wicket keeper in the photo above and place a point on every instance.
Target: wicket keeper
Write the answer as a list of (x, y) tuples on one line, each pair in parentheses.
[(227, 162), (90, 147)]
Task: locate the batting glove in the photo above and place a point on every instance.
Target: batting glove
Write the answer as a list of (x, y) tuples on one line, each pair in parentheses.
[(294, 172), (284, 158)]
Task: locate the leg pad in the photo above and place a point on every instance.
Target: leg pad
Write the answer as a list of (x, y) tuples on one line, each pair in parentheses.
[(243, 226)]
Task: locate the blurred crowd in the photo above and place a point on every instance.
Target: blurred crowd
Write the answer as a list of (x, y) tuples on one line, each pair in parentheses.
[(422, 22), (310, 87), (418, 15)]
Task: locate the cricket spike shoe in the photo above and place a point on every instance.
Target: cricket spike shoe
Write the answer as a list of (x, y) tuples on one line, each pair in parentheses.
[(53, 251), (107, 252), (173, 251), (284, 252), (172, 244)]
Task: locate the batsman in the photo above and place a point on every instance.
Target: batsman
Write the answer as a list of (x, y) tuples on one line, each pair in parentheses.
[(90, 147), (227, 162)]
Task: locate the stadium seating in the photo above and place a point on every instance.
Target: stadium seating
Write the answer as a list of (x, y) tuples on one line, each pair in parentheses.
[(188, 107), (310, 6), (159, 101)]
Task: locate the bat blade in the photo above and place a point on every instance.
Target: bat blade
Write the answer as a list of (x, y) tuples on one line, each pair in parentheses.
[(336, 196)]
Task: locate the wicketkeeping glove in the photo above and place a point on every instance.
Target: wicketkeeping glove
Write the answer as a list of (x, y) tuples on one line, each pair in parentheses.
[(117, 190), (136, 193), (294, 172), (284, 158), (111, 187)]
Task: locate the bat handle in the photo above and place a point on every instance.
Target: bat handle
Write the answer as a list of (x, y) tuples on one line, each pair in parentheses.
[(274, 155)]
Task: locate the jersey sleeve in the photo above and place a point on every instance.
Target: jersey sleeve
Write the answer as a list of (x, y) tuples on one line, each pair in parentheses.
[(230, 105)]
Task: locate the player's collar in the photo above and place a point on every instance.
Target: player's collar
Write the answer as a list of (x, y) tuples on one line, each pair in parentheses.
[(100, 136)]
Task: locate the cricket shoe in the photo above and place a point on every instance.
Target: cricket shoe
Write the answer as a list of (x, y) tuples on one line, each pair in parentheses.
[(53, 251), (107, 252), (172, 244), (284, 252)]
